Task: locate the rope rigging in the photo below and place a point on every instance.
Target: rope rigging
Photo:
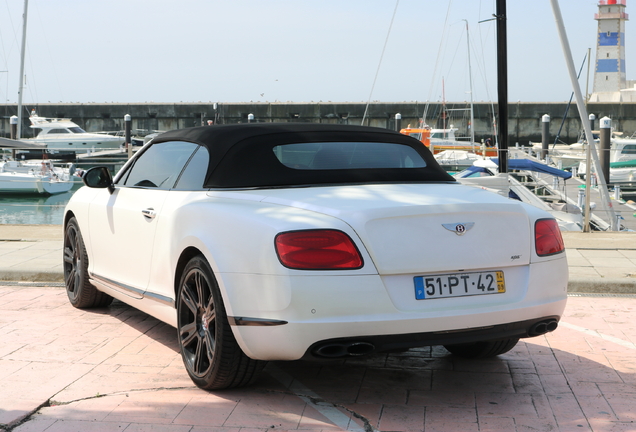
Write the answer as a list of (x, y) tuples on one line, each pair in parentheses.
[(366, 109)]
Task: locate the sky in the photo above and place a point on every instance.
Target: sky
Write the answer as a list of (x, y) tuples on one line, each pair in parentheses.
[(168, 51)]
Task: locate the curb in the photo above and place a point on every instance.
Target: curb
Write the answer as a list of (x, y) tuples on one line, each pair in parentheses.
[(31, 276), (600, 285)]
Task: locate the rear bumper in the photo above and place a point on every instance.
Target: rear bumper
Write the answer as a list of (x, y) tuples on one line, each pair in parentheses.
[(322, 309), (351, 347), (295, 340)]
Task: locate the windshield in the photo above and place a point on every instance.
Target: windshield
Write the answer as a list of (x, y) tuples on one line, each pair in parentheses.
[(58, 131), (76, 130)]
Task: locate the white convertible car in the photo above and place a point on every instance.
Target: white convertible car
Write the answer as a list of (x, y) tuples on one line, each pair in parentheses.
[(287, 241)]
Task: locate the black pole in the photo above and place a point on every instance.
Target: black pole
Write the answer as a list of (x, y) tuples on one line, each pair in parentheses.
[(128, 132), (502, 85)]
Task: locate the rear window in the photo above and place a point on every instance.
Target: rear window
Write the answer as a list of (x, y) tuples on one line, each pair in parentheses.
[(348, 155)]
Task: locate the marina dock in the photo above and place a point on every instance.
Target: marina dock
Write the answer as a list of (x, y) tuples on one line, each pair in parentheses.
[(571, 190)]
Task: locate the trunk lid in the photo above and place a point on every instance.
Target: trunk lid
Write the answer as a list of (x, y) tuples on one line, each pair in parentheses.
[(423, 228)]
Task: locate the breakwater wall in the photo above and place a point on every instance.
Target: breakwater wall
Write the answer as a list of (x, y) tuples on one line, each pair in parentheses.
[(524, 122)]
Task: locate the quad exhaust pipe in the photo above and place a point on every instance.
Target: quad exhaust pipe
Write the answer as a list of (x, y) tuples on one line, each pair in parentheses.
[(344, 349), (543, 327), (360, 348)]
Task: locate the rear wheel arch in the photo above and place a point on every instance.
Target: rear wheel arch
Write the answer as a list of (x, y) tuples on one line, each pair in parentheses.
[(212, 357), (68, 217), (186, 255)]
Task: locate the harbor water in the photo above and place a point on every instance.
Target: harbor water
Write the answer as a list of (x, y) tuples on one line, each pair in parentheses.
[(33, 210)]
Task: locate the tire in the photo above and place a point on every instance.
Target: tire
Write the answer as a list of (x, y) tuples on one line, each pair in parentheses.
[(80, 292), (484, 349), (209, 350)]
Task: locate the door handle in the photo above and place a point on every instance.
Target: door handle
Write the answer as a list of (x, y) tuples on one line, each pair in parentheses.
[(149, 213)]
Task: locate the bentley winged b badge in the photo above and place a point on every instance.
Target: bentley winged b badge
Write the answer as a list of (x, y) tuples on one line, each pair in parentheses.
[(459, 228)]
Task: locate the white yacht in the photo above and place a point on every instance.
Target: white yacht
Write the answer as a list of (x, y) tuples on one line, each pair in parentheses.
[(62, 134), (569, 155)]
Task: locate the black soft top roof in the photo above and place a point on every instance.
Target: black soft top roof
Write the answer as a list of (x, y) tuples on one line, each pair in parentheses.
[(241, 155)]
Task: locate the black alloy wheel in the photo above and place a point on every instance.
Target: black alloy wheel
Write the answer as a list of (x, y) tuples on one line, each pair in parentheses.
[(80, 292), (209, 350)]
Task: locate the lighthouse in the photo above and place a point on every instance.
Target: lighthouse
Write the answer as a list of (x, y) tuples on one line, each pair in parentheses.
[(610, 82)]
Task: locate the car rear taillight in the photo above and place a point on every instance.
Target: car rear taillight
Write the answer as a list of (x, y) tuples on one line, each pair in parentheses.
[(547, 237), (322, 249)]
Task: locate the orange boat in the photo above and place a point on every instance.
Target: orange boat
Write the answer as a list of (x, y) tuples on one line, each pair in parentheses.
[(438, 140)]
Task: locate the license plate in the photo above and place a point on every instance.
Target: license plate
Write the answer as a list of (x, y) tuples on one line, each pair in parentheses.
[(459, 284)]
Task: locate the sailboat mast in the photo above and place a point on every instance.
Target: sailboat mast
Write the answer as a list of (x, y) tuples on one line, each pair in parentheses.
[(470, 80), (443, 110), (24, 31)]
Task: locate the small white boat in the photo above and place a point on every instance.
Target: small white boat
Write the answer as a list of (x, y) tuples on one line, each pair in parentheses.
[(456, 160), (62, 134), (622, 149), (623, 171), (34, 177)]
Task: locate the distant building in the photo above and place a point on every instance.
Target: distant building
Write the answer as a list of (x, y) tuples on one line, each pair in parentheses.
[(610, 82)]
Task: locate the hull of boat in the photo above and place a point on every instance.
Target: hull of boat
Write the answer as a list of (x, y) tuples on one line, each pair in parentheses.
[(617, 175), (82, 144), (449, 145), (18, 184)]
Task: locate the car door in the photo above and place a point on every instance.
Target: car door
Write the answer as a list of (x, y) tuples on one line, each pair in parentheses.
[(122, 225)]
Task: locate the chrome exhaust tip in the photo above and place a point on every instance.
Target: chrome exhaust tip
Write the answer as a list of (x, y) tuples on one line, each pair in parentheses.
[(349, 349), (543, 327)]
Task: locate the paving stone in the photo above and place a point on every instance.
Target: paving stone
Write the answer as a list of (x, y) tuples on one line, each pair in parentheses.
[(123, 372)]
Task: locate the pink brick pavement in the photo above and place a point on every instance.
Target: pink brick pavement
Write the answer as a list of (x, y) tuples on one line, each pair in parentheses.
[(117, 369)]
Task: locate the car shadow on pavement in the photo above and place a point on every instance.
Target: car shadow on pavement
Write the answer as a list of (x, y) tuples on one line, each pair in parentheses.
[(533, 386), (141, 322)]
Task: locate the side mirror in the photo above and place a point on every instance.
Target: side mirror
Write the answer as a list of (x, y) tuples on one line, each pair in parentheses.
[(99, 177)]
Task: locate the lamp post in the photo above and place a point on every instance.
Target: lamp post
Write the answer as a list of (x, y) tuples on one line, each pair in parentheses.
[(14, 131), (545, 136), (605, 144), (398, 122)]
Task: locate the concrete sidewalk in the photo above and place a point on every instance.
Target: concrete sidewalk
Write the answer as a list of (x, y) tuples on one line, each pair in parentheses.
[(600, 262), (31, 253)]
